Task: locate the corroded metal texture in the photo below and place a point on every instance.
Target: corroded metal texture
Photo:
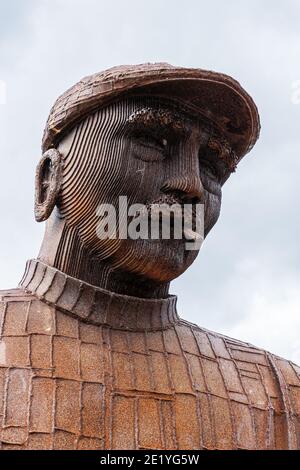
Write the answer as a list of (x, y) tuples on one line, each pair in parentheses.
[(93, 354), (131, 381)]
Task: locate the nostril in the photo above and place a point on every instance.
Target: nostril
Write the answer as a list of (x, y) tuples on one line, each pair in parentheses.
[(182, 196), (196, 200), (187, 188), (189, 199)]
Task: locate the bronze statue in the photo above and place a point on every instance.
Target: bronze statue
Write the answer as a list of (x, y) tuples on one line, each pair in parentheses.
[(93, 354)]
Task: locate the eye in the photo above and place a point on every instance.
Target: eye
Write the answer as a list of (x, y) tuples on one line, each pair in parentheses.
[(210, 169), (151, 141), (149, 147)]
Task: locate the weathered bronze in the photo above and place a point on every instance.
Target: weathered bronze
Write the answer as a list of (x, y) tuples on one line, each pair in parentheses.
[(93, 354)]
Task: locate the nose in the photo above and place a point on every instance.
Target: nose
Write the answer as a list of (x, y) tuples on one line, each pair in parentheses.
[(189, 187)]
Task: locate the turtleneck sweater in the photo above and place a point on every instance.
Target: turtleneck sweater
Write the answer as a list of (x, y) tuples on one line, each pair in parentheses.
[(85, 368)]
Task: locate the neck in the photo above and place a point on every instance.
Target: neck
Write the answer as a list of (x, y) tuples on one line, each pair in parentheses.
[(96, 306), (63, 250)]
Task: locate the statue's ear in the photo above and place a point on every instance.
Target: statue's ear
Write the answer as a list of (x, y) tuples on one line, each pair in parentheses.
[(47, 184)]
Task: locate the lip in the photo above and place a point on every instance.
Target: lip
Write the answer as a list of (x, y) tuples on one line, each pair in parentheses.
[(160, 211)]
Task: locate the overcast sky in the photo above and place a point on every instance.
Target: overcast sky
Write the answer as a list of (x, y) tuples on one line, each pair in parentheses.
[(245, 283)]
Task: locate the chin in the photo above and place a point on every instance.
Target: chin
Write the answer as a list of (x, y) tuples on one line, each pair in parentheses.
[(162, 261)]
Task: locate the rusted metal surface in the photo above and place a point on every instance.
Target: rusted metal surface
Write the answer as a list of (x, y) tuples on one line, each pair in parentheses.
[(93, 354), (123, 381)]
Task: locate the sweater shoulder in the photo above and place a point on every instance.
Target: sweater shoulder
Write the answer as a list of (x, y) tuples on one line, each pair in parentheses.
[(15, 295), (219, 346)]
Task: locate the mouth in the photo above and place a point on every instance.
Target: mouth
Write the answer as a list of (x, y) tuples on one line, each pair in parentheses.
[(170, 218)]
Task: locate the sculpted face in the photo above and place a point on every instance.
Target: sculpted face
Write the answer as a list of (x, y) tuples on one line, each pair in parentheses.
[(151, 151)]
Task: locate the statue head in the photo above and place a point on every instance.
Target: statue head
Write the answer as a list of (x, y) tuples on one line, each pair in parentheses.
[(152, 135)]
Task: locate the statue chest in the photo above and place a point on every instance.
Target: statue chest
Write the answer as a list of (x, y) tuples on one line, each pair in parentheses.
[(65, 384)]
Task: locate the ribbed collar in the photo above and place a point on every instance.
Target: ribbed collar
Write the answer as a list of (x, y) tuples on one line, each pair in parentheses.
[(94, 305)]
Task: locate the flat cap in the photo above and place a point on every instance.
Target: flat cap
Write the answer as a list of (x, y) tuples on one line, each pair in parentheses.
[(216, 96)]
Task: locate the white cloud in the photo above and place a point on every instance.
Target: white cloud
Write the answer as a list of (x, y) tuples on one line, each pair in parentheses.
[(271, 313)]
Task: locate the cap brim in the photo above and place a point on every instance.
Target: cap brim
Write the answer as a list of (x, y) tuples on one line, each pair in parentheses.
[(216, 96)]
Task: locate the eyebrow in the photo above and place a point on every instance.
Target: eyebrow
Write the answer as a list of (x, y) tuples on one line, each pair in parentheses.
[(171, 121)]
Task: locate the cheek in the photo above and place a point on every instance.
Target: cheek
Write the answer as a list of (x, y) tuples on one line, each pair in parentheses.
[(212, 208), (103, 181), (141, 177), (98, 178)]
